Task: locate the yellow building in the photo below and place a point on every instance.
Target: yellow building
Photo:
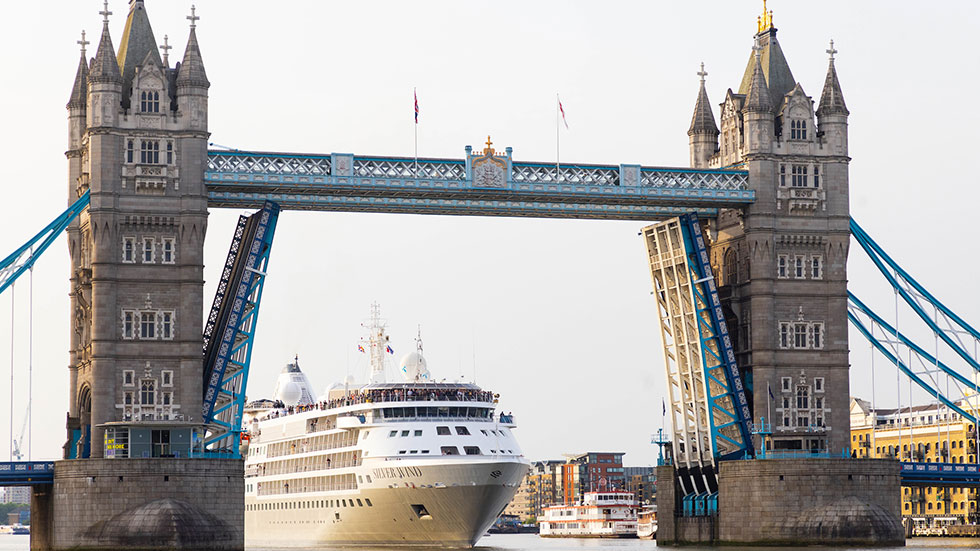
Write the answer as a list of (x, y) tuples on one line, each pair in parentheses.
[(929, 434)]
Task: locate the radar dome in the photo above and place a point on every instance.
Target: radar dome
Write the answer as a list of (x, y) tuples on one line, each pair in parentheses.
[(290, 393), (413, 367)]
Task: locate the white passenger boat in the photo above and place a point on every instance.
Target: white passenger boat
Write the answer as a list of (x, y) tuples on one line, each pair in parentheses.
[(413, 462), (598, 515), (646, 523)]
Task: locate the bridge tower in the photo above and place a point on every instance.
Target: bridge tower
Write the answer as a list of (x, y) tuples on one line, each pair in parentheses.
[(138, 140), (781, 262), (138, 132)]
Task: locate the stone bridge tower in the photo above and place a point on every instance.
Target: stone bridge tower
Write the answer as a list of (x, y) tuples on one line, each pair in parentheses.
[(138, 132), (781, 264)]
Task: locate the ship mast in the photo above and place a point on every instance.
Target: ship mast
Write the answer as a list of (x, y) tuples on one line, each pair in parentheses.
[(377, 344)]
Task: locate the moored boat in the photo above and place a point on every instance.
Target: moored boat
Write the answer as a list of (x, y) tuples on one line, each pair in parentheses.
[(598, 515)]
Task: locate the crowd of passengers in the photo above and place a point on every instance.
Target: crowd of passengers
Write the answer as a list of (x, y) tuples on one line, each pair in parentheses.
[(386, 395)]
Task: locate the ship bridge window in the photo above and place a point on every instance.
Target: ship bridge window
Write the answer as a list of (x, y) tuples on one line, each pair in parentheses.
[(404, 433), (472, 450), (449, 450), (442, 431), (368, 501), (392, 434), (462, 431), (414, 451), (485, 433), (418, 433)]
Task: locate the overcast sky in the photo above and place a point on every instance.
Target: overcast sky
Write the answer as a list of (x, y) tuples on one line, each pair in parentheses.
[(554, 315)]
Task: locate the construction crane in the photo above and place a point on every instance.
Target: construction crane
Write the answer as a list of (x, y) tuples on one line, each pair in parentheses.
[(18, 442)]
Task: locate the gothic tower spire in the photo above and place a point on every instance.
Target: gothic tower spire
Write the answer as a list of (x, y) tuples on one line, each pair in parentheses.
[(105, 68), (831, 100), (191, 72), (137, 43), (703, 133)]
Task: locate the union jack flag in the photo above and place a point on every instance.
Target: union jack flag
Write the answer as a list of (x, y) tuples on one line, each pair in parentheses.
[(416, 105)]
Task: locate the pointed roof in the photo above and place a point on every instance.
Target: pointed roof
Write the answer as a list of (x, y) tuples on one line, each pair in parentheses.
[(779, 79), (79, 90), (832, 100), (703, 121), (105, 68), (191, 71), (758, 95), (137, 44)]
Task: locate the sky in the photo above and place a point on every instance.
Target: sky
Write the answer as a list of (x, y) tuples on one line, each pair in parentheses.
[(554, 315)]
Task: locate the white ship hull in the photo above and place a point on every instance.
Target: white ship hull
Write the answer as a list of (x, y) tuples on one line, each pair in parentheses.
[(464, 500)]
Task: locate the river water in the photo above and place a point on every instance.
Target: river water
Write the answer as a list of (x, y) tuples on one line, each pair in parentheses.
[(531, 542)]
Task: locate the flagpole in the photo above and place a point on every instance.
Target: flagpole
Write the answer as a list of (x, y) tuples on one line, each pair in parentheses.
[(557, 139), (416, 95)]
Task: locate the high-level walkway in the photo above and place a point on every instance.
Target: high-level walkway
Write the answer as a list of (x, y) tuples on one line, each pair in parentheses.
[(483, 183)]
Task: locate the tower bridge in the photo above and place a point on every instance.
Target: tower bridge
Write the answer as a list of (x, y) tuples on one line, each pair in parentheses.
[(748, 262)]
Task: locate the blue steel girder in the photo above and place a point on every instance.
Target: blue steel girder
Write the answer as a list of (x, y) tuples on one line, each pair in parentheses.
[(26, 473), (343, 182), (23, 258), (730, 415), (905, 368), (224, 399), (940, 474), (883, 262)]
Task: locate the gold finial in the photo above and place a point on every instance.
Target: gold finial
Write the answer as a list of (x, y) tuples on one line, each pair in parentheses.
[(765, 20), (489, 149)]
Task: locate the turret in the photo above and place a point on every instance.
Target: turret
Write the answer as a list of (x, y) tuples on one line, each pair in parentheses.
[(703, 133), (104, 81), (832, 112), (192, 83), (77, 102), (757, 112)]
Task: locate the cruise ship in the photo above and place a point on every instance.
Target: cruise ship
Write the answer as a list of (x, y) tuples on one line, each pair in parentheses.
[(414, 462)]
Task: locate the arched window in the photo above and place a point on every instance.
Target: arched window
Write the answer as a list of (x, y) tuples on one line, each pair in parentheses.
[(170, 153), (797, 129), (802, 397), (129, 151), (147, 393), (149, 102), (731, 267)]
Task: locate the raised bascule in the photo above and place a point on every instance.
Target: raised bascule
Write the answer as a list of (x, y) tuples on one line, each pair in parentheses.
[(748, 265)]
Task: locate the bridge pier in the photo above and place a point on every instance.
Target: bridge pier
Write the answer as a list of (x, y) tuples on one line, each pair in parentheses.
[(141, 504), (790, 502), (42, 517)]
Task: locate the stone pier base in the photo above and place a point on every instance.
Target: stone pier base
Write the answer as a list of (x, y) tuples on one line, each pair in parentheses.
[(142, 504), (791, 502)]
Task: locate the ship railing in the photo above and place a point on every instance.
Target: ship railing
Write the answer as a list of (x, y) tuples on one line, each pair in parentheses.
[(428, 418)]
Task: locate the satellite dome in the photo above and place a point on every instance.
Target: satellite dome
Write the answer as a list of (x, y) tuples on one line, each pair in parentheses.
[(413, 367), (290, 393)]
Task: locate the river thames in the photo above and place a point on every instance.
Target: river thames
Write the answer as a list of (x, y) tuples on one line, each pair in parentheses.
[(531, 542)]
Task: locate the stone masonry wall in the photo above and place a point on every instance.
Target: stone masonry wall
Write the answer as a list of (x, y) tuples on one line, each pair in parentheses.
[(810, 501), (148, 504)]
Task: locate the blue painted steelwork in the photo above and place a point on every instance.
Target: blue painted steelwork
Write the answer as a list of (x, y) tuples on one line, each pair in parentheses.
[(344, 182), (907, 370), (940, 474), (24, 258), (856, 304), (728, 405), (224, 398), (26, 473), (884, 262)]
